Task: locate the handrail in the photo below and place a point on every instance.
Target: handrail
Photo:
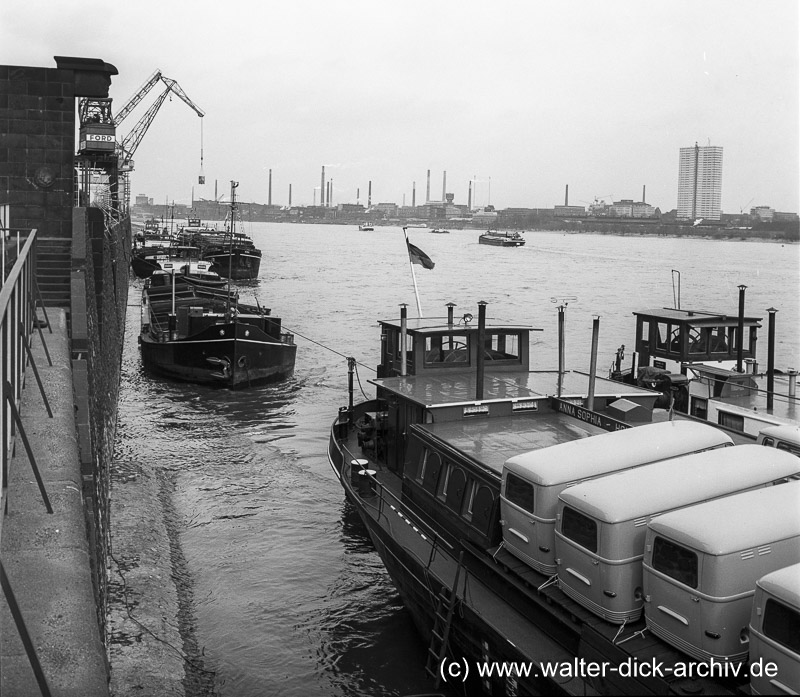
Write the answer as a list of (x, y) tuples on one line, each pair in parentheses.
[(17, 315)]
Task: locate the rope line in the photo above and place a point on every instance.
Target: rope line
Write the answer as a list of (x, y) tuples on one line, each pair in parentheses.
[(338, 353)]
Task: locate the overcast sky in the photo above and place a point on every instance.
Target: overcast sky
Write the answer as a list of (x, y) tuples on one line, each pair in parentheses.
[(521, 97)]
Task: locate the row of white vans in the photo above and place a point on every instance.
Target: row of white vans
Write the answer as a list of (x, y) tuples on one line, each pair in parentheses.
[(673, 521)]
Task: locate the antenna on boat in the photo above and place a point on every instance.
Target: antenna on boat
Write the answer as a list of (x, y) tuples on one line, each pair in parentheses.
[(676, 295)]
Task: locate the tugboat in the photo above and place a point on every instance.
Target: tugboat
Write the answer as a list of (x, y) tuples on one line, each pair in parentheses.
[(502, 239)]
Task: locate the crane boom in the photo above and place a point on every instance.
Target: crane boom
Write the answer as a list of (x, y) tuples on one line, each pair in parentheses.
[(136, 98), (128, 145)]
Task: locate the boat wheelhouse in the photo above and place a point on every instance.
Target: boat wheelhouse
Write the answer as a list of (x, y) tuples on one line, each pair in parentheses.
[(422, 464), (705, 365)]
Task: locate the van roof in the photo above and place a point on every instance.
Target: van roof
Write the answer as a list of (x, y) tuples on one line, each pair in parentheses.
[(783, 584), (735, 523), (682, 481), (617, 450), (785, 432)]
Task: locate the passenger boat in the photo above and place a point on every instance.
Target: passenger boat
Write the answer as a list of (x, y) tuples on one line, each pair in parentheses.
[(502, 239), (204, 335), (705, 365), (366, 227), (424, 465)]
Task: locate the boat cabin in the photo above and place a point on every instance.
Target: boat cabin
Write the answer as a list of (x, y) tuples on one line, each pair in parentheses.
[(701, 565), (691, 336)]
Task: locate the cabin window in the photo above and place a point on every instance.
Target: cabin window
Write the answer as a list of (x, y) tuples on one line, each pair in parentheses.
[(662, 335), (782, 624), (409, 345), (469, 500), (433, 468), (719, 340), (482, 507), (579, 528), (456, 484), (519, 492), (441, 490), (422, 462), (732, 421), (446, 348), (502, 347), (698, 341), (675, 561)]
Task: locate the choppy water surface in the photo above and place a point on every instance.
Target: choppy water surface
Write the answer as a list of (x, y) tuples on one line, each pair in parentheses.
[(290, 597)]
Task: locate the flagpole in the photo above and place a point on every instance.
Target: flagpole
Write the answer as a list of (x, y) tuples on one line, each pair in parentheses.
[(413, 275)]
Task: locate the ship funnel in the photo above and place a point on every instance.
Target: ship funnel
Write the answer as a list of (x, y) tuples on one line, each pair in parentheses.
[(480, 348)]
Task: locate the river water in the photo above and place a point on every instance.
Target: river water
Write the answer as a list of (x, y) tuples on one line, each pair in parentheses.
[(289, 596)]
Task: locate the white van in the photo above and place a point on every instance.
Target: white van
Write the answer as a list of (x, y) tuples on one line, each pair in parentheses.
[(775, 633), (532, 481), (601, 524), (701, 565), (784, 437)]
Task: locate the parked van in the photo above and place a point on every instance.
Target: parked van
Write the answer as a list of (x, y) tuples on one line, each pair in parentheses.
[(701, 565), (781, 437), (775, 632), (601, 524), (532, 481)]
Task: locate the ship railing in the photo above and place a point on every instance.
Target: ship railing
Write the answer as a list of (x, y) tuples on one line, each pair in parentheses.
[(385, 496), (17, 323)]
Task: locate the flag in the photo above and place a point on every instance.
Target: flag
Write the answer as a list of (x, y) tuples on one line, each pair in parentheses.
[(417, 256)]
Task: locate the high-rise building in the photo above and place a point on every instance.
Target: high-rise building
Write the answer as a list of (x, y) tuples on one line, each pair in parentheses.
[(700, 182)]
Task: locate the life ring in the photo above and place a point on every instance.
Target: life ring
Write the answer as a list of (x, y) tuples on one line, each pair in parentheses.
[(242, 362)]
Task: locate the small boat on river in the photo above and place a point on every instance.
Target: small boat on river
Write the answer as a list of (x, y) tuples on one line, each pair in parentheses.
[(366, 227), (440, 231), (502, 239)]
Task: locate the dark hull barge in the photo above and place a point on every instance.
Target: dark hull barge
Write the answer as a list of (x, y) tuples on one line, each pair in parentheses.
[(423, 464)]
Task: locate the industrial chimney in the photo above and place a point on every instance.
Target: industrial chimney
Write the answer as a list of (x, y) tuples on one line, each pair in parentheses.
[(566, 195), (413, 194), (469, 196), (322, 188), (428, 189), (369, 195), (269, 195), (444, 185)]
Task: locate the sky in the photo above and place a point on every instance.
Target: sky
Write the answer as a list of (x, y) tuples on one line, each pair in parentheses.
[(519, 97)]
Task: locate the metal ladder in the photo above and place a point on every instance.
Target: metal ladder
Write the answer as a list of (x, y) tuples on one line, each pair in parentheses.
[(442, 622)]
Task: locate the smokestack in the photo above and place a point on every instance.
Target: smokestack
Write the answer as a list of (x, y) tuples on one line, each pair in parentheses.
[(330, 192), (290, 195), (740, 331), (643, 192), (413, 194), (450, 307), (771, 360), (358, 195), (269, 195), (444, 186), (481, 348), (215, 190), (566, 195), (322, 188), (369, 195), (469, 196), (428, 189)]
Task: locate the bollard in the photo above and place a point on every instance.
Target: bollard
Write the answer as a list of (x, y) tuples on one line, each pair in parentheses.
[(355, 469), (365, 483)]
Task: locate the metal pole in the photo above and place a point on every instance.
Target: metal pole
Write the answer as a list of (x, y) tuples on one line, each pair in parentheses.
[(403, 335), (771, 359), (593, 363), (740, 331), (481, 349)]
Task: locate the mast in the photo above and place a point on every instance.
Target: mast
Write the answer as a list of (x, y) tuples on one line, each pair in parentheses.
[(230, 244)]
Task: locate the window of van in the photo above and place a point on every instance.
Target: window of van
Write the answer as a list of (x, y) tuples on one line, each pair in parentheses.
[(675, 561), (579, 528), (519, 492), (788, 447), (782, 624)]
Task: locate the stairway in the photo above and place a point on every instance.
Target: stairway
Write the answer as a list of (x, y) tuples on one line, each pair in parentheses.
[(53, 270)]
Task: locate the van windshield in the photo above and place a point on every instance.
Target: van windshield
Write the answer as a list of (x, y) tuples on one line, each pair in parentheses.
[(579, 528), (782, 624), (519, 492), (675, 561)]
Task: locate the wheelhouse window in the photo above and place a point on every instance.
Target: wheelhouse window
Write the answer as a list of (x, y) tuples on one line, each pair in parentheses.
[(409, 346), (502, 347), (782, 624), (519, 492), (732, 421), (446, 348), (675, 561), (579, 528)]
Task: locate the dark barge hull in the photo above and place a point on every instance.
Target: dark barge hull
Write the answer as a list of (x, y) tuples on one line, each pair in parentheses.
[(233, 354), (503, 615), (238, 265)]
